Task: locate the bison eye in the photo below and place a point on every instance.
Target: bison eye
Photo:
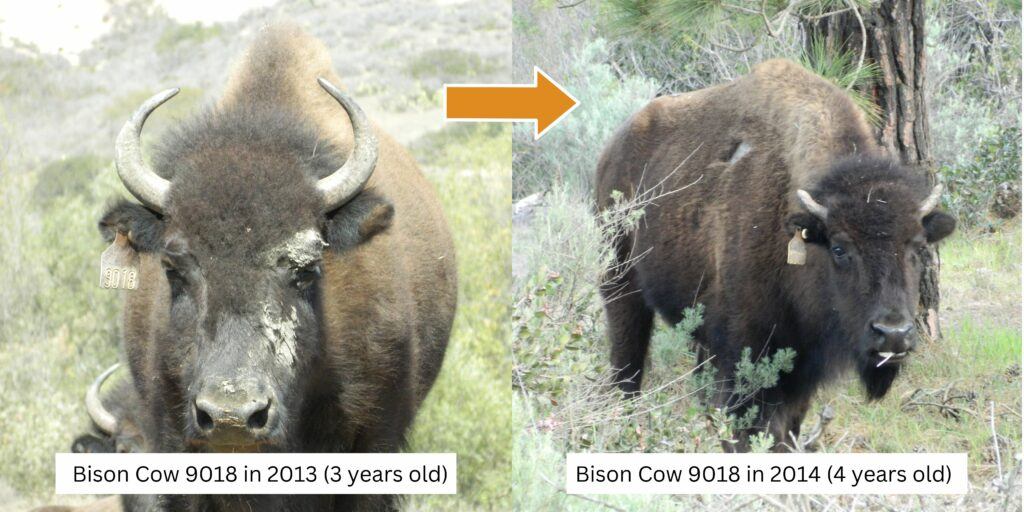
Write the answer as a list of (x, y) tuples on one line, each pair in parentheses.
[(839, 253), (305, 276)]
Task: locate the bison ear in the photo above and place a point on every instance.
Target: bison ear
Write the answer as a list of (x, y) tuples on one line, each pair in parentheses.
[(815, 233), (359, 220), (142, 226), (938, 225)]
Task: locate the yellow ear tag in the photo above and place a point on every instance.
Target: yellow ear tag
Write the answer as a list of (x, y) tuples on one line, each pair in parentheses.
[(797, 249), (119, 265)]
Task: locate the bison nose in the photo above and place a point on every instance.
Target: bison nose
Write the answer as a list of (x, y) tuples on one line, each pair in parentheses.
[(233, 415), (895, 338)]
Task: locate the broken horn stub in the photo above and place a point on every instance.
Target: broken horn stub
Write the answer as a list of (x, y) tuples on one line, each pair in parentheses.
[(931, 201), (812, 206)]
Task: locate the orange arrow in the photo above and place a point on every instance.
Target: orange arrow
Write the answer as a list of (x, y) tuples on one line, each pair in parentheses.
[(544, 103)]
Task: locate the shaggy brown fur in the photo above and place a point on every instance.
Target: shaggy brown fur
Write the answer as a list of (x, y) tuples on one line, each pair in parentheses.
[(371, 332), (750, 145)]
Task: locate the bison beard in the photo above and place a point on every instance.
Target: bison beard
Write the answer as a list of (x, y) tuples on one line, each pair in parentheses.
[(291, 298), (779, 158)]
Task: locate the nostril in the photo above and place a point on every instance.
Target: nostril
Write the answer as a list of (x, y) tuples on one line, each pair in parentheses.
[(892, 331), (258, 420), (203, 419)]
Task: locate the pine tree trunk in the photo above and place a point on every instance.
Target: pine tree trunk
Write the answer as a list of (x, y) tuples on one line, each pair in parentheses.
[(891, 35)]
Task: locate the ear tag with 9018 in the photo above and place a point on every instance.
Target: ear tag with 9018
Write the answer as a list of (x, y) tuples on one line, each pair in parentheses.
[(797, 249), (119, 265)]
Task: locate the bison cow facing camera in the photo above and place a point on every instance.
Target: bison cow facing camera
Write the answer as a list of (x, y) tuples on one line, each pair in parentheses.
[(797, 230), (296, 277)]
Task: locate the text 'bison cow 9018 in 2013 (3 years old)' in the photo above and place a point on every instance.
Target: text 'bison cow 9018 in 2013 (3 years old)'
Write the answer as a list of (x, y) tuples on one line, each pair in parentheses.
[(778, 159), (288, 298)]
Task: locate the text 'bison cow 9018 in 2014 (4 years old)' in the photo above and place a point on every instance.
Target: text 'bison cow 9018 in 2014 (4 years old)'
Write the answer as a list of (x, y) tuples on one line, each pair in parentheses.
[(796, 231)]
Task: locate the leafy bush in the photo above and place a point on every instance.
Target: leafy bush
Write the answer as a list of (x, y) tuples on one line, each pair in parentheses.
[(566, 382), (447, 64), (972, 185), (974, 80), (67, 177), (58, 329), (567, 156), (190, 33)]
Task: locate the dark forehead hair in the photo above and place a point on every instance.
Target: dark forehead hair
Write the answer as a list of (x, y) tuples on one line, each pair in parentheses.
[(243, 179), (874, 198)]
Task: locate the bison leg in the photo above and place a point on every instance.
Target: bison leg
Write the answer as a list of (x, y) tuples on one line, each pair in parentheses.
[(629, 328), (785, 422)]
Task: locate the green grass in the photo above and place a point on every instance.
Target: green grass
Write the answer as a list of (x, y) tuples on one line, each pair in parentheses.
[(469, 409), (465, 145), (985, 342)]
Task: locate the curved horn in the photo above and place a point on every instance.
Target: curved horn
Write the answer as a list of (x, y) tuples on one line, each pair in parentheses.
[(812, 206), (931, 201), (106, 422), (138, 178), (343, 184)]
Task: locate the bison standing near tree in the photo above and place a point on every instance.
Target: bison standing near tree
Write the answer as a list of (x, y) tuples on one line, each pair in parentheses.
[(777, 159), (296, 284)]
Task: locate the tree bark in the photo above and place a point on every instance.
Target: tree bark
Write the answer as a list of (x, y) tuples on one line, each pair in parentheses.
[(891, 35)]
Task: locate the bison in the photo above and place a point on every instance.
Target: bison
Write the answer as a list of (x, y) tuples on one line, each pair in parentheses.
[(776, 159), (116, 419), (296, 276)]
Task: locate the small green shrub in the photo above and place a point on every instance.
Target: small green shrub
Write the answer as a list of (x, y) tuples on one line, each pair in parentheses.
[(971, 185), (448, 64), (191, 33), (567, 155), (754, 375), (69, 176), (465, 146)]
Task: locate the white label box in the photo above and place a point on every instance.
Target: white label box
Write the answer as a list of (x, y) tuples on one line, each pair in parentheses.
[(764, 473), (256, 473)]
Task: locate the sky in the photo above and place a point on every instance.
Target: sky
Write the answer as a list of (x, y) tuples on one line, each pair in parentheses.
[(68, 27)]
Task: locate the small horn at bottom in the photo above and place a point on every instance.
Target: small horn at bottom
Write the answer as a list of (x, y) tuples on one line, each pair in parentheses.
[(106, 422)]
